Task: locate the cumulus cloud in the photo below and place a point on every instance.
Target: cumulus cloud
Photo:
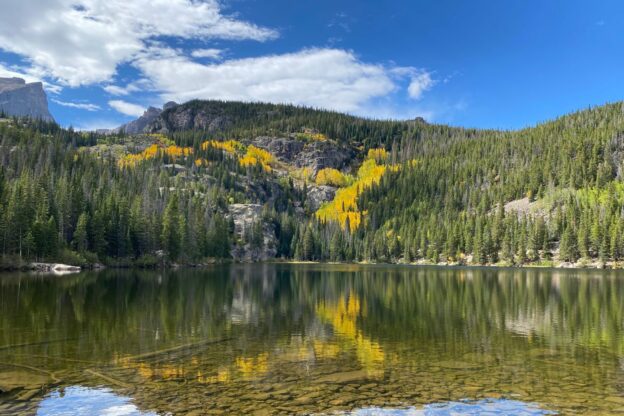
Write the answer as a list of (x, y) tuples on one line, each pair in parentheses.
[(327, 78), (80, 106), (421, 82), (207, 53), (127, 108), (135, 86), (117, 90), (83, 42), (80, 42)]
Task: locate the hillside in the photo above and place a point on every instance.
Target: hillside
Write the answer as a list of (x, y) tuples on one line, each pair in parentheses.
[(210, 180)]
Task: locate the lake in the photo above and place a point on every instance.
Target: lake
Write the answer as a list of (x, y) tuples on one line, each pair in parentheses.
[(313, 339)]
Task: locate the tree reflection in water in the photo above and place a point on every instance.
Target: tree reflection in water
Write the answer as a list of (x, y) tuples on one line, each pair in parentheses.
[(317, 338)]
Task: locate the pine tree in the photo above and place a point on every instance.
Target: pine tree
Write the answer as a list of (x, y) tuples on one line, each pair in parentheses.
[(335, 246), (81, 241), (171, 233), (568, 250), (307, 247)]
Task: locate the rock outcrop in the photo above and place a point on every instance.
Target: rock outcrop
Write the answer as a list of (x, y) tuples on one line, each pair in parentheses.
[(210, 118), (321, 155), (246, 217), (314, 155), (18, 98), (141, 124), (317, 195), (284, 149)]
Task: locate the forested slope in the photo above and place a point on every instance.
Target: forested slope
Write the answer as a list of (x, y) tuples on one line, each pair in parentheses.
[(313, 185)]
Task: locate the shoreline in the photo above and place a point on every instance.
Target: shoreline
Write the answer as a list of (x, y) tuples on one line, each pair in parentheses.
[(62, 269), (537, 265)]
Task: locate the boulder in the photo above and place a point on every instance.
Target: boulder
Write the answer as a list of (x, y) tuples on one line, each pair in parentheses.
[(317, 195), (54, 268)]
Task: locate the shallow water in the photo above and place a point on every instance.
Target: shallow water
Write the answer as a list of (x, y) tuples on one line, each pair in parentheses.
[(313, 339)]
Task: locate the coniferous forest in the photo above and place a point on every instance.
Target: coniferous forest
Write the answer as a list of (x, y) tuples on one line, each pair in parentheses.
[(408, 191)]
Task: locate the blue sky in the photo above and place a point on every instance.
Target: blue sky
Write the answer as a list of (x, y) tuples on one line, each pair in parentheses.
[(493, 64)]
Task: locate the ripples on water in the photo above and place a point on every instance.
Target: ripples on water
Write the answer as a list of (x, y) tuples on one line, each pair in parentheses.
[(313, 339)]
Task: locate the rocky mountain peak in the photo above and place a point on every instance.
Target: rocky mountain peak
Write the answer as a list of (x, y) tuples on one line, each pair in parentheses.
[(140, 124), (22, 99)]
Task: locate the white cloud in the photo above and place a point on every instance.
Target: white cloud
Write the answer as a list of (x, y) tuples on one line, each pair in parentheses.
[(327, 78), (80, 42), (80, 106), (83, 42), (23, 73), (117, 90), (127, 108), (207, 53), (420, 83), (135, 86)]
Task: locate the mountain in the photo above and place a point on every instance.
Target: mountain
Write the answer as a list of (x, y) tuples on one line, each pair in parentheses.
[(17, 98), (212, 180), (139, 125)]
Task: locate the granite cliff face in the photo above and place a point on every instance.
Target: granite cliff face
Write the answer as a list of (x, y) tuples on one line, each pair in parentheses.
[(18, 98)]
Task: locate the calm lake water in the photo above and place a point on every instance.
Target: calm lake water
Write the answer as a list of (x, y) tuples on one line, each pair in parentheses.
[(313, 339)]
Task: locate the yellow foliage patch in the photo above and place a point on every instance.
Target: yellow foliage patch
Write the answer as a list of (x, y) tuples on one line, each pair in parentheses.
[(344, 207), (380, 155), (154, 150), (177, 151), (255, 156), (310, 136), (247, 156), (332, 177), (229, 146)]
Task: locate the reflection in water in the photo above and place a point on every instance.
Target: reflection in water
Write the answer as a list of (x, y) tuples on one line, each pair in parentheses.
[(316, 339), (75, 401), (343, 315), (465, 408)]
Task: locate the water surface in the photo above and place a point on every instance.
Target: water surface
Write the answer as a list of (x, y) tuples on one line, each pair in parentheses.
[(313, 339)]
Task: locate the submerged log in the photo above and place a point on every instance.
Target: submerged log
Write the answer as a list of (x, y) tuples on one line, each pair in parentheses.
[(31, 344), (109, 379), (174, 349)]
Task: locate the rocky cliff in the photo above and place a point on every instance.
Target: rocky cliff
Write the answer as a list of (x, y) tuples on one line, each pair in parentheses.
[(315, 155), (141, 124), (18, 98), (190, 116)]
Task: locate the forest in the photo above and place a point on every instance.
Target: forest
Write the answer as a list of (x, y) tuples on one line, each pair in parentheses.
[(414, 192)]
